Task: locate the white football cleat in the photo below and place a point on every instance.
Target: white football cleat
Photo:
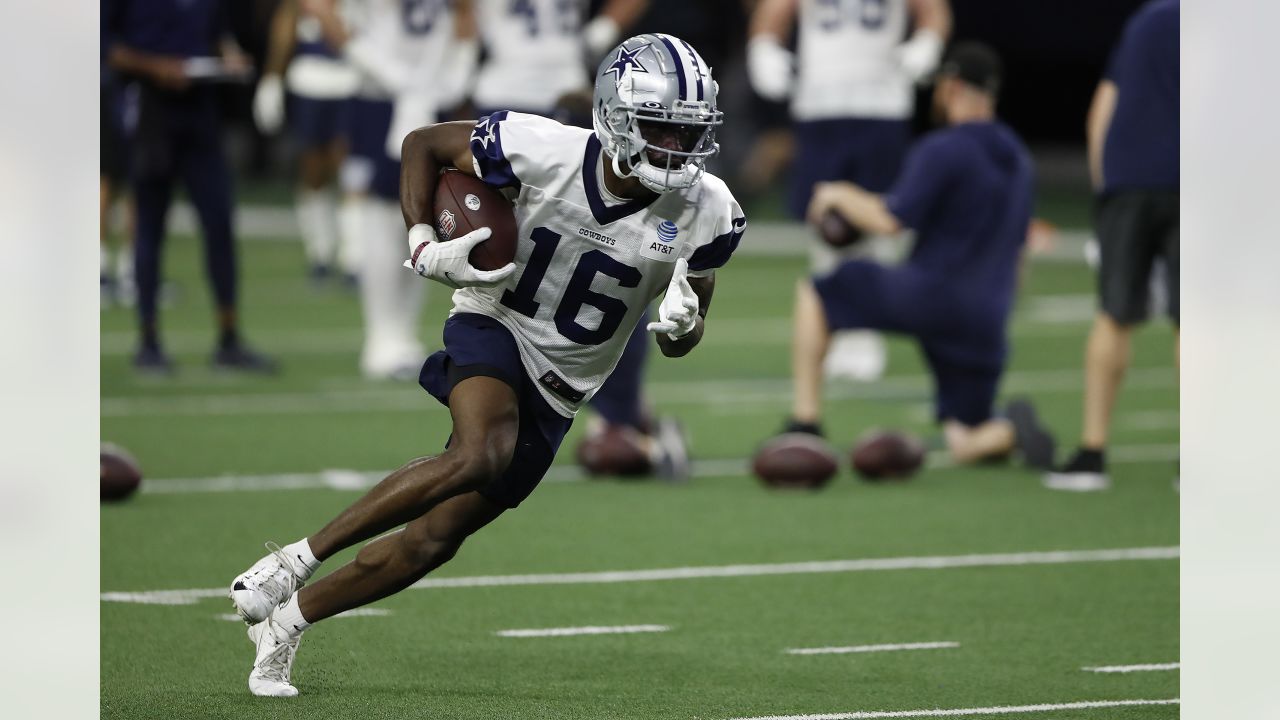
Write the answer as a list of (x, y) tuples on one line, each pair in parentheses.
[(274, 661), (258, 590)]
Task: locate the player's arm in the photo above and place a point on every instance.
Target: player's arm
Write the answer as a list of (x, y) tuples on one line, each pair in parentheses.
[(920, 54), (423, 154), (601, 33), (1096, 126), (167, 71), (769, 62), (864, 210), (703, 288), (282, 39), (331, 26)]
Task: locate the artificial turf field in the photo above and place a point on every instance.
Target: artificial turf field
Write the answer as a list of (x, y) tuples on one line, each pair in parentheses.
[(232, 462)]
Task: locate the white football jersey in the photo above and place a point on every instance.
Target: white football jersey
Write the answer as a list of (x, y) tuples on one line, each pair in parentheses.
[(587, 264), (846, 61), (535, 54), (409, 38)]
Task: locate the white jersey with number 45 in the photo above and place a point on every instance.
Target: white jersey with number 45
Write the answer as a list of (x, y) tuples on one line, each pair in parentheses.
[(847, 66), (588, 264)]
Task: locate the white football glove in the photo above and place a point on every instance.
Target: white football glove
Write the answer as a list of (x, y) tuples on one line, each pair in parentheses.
[(268, 104), (919, 56), (678, 313), (600, 35), (446, 262), (770, 67)]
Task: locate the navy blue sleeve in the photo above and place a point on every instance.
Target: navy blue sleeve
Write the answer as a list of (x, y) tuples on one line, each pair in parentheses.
[(486, 148), (929, 169), (717, 252)]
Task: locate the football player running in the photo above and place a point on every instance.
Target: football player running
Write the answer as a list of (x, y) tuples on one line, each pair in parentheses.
[(608, 220)]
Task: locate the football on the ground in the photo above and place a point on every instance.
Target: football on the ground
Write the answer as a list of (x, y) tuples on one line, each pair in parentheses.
[(465, 203), (836, 231), (795, 460), (614, 451), (120, 474), (887, 455)]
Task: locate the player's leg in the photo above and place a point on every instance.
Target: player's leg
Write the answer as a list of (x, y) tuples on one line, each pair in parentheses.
[(152, 191), (317, 123), (1127, 251), (810, 336), (204, 171)]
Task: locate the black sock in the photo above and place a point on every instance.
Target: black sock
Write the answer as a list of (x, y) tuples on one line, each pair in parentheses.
[(228, 339)]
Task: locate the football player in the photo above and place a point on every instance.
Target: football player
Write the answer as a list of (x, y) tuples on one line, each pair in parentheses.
[(319, 83), (851, 88), (608, 220), (411, 58), (536, 51), (967, 191)]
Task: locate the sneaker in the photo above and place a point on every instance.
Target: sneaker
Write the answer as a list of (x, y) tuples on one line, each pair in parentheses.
[(238, 358), (1033, 441), (151, 360), (1085, 472), (258, 590), (273, 663), (795, 426), (672, 462)]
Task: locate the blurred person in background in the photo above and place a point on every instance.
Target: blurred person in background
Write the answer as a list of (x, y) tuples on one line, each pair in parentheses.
[(412, 57), (1133, 133), (967, 191), (319, 84), (538, 55), (115, 275), (851, 83), (169, 54)]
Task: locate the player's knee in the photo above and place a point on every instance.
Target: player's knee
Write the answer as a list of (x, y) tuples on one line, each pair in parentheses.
[(484, 461), (427, 552)]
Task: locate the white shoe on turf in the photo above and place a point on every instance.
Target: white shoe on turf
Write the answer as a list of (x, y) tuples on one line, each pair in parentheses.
[(273, 664), (258, 590)]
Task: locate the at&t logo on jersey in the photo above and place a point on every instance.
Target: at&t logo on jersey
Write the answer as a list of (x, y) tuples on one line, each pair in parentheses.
[(446, 225), (667, 231), (664, 247)]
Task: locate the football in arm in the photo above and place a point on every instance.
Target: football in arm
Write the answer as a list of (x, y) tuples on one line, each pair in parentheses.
[(795, 460), (838, 232), (465, 203), (120, 474), (887, 455)]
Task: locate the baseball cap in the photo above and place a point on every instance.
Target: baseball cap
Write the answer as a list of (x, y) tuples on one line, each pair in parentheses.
[(974, 63)]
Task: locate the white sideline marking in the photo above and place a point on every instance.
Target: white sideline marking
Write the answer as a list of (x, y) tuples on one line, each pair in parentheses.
[(937, 562), (356, 612), (959, 712), (714, 393), (338, 479), (1132, 668), (585, 630), (872, 648)]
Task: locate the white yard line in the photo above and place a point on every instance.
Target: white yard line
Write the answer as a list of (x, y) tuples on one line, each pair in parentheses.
[(872, 648), (937, 562), (1153, 667), (733, 394), (585, 630), (339, 479), (962, 712), (357, 612)]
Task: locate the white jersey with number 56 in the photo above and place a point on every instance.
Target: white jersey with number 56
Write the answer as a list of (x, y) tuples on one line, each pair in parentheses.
[(588, 263), (847, 66)]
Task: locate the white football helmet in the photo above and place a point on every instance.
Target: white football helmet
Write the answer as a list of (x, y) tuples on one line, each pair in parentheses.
[(654, 111)]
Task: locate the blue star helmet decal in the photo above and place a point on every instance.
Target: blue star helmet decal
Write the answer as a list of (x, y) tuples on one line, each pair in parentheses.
[(627, 59)]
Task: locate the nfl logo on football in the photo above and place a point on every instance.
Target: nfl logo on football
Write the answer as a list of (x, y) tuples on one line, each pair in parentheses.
[(446, 225)]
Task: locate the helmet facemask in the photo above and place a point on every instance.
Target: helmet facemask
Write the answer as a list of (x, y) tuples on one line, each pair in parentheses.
[(662, 142)]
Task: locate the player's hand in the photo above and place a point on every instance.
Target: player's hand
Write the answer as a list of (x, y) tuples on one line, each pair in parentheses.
[(678, 313), (170, 73), (599, 35), (769, 67), (447, 263), (919, 56), (268, 104), (824, 198)]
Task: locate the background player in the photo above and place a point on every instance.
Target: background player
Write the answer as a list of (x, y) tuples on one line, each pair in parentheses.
[(851, 88), (607, 221), (319, 83), (1133, 136), (164, 50), (412, 58), (967, 191)]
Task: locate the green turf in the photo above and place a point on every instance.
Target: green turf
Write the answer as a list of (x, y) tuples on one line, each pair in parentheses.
[(1024, 632)]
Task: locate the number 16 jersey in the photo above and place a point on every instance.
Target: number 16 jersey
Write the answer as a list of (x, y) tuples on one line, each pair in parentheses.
[(588, 263)]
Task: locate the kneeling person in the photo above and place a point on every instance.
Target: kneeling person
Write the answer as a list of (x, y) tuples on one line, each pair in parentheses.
[(967, 191), (607, 221)]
